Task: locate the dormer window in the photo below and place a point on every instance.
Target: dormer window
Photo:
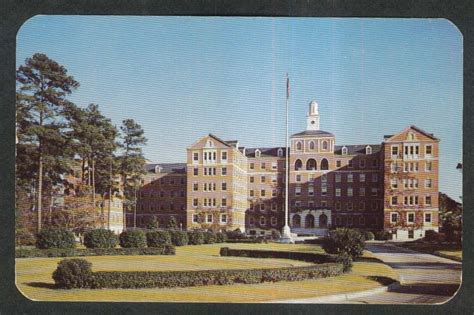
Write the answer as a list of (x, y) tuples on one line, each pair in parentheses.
[(368, 150), (344, 150), (280, 152), (257, 153), (157, 169)]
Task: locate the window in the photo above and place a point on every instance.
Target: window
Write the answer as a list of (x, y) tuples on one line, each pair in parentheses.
[(374, 205), (362, 163), (298, 191), (349, 221), (324, 189), (428, 150), (251, 193), (393, 183), (344, 151), (311, 190), (274, 165), (195, 156), (337, 205), (324, 203), (251, 179), (428, 200), (252, 166), (374, 192), (311, 145), (224, 171), (224, 186), (209, 218), (393, 217), (251, 221), (298, 165), (393, 167), (375, 177), (224, 202), (262, 221), (274, 206), (338, 178), (375, 163), (394, 200), (411, 217), (274, 193), (311, 204), (350, 177), (262, 207), (195, 218), (196, 171), (394, 151), (368, 150), (427, 217), (428, 166), (349, 192), (195, 202), (298, 146), (262, 193), (349, 206), (325, 145), (214, 171), (224, 155), (350, 164), (362, 178), (257, 153), (411, 234), (324, 178), (338, 192), (428, 183), (361, 205), (195, 187), (223, 218), (324, 164), (338, 163), (274, 179), (280, 152), (298, 178), (274, 221), (362, 191), (262, 179), (262, 166)]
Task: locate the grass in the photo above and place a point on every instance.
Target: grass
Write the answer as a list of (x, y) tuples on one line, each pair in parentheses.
[(450, 251), (34, 277)]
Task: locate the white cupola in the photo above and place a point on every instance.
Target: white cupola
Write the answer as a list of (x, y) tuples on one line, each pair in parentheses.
[(313, 116)]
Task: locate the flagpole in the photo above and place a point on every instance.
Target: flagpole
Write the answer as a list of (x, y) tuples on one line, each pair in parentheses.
[(286, 237)]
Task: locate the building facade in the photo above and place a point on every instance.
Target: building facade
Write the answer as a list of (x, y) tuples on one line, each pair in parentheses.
[(391, 186)]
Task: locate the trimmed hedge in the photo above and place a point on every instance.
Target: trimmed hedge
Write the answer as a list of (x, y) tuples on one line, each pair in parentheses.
[(157, 238), (100, 238), (210, 238), (383, 236), (169, 279), (133, 238), (196, 237), (303, 256), (221, 237), (55, 237), (179, 238), (77, 252)]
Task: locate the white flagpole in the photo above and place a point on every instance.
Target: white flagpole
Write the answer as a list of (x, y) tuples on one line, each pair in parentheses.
[(286, 237)]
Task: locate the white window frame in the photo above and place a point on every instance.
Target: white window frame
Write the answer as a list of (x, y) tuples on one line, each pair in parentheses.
[(195, 218), (350, 192), (391, 217), (338, 192), (408, 218), (207, 218), (223, 215), (428, 183), (426, 150), (362, 178), (431, 217)]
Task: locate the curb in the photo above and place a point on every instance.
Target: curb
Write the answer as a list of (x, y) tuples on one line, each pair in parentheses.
[(340, 297)]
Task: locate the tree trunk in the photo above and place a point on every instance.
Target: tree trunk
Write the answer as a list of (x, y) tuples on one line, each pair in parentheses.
[(93, 185), (135, 210), (110, 196), (40, 189)]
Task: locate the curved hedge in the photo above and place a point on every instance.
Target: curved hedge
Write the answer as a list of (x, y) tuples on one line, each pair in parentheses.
[(303, 256), (76, 252), (55, 237)]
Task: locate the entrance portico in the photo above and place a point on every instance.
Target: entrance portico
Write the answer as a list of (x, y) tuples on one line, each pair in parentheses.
[(311, 222)]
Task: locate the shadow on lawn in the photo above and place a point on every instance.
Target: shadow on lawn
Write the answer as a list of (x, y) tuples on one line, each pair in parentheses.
[(428, 288), (42, 285)]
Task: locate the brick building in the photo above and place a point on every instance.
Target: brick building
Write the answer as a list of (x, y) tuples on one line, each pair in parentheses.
[(392, 185)]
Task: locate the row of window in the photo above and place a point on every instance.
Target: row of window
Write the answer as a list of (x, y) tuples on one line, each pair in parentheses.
[(410, 183), (409, 200), (162, 194), (350, 221), (410, 167), (162, 207), (411, 150), (210, 156), (349, 206), (210, 202), (410, 217), (312, 145), (210, 171), (210, 186), (263, 221), (263, 207), (170, 181), (350, 192), (263, 179), (263, 166), (209, 218)]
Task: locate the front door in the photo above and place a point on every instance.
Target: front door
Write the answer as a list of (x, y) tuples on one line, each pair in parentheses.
[(323, 221)]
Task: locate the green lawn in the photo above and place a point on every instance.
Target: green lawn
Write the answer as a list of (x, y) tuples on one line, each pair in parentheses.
[(444, 250), (34, 277)]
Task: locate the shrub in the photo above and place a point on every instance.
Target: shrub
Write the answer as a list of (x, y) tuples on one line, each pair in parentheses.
[(156, 238), (55, 237), (303, 256), (235, 235), (179, 238), (100, 238), (72, 252), (73, 273), (210, 237), (383, 236), (24, 237), (433, 236), (345, 241), (345, 260), (196, 237), (369, 236), (276, 235), (221, 237), (154, 224), (134, 238), (172, 223)]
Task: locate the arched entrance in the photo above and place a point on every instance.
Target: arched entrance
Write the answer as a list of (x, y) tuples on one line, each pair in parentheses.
[(309, 221), (296, 221), (323, 221)]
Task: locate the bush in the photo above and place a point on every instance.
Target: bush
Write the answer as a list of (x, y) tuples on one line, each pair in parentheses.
[(346, 261), (221, 237), (433, 236), (55, 237), (235, 235), (276, 235), (196, 237), (23, 237), (303, 256), (156, 238), (100, 238), (72, 252), (383, 236), (179, 238), (210, 237), (369, 236), (73, 273), (345, 241), (134, 238)]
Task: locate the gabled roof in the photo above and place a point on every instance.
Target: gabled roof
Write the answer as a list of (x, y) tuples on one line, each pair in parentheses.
[(357, 149), (313, 133), (166, 167), (427, 134), (219, 139), (250, 152)]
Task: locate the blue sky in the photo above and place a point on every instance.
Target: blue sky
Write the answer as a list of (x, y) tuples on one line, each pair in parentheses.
[(184, 77)]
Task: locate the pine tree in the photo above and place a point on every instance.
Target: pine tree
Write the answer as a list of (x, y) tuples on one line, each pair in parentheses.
[(43, 85)]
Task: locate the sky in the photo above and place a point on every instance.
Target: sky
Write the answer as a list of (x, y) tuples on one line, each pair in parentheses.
[(184, 77)]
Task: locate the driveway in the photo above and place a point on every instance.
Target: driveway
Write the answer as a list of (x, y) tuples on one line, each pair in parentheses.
[(424, 278)]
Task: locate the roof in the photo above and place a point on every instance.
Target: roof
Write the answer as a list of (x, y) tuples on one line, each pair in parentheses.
[(219, 139), (250, 152), (357, 149), (429, 135), (313, 133), (166, 167)]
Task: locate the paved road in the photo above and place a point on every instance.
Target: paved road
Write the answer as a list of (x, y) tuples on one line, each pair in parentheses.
[(424, 278)]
